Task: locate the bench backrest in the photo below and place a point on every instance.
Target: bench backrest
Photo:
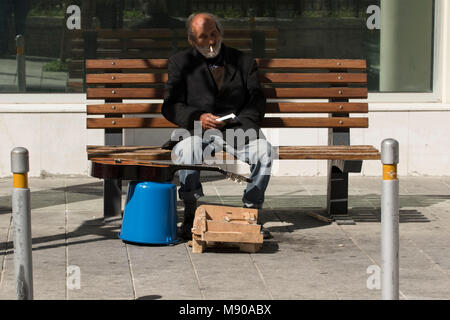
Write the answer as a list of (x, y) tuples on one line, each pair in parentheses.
[(323, 85)]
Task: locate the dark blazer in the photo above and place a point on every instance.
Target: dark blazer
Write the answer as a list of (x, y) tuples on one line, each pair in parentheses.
[(192, 91)]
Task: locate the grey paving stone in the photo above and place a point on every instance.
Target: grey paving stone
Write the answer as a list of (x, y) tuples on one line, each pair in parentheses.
[(285, 186), (7, 288), (49, 271), (290, 274), (85, 217), (421, 248), (48, 200), (5, 188), (83, 201), (101, 258), (5, 218), (163, 272), (49, 183), (424, 186), (295, 202), (5, 204), (228, 275), (441, 212), (103, 263), (420, 277), (209, 188), (445, 180), (5, 246), (369, 185), (43, 218), (49, 265)]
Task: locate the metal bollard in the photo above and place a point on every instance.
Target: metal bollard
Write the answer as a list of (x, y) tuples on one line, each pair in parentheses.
[(390, 221), (20, 60), (21, 210)]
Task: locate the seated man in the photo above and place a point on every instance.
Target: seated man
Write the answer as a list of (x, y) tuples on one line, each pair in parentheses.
[(207, 81)]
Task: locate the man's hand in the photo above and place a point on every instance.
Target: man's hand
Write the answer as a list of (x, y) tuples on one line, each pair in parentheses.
[(209, 121)]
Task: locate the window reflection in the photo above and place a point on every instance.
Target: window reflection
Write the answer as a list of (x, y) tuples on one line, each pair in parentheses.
[(155, 29)]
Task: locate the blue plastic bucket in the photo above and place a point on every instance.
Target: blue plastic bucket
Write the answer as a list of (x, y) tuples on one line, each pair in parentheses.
[(150, 214)]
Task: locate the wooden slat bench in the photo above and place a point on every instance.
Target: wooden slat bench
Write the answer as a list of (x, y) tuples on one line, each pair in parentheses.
[(149, 43), (292, 86)]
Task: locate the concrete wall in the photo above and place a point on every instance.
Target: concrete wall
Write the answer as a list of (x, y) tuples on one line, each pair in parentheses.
[(56, 141)]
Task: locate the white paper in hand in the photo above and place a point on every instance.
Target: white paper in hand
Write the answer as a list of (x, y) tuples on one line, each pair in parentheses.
[(229, 119)]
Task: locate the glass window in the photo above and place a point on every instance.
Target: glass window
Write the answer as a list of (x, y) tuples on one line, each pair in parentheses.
[(60, 35), (406, 49)]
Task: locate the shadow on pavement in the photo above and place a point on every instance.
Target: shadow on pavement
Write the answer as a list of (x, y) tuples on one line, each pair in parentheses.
[(75, 193), (283, 209), (149, 297), (92, 227)]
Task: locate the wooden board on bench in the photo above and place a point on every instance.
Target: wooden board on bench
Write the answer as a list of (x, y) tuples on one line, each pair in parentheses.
[(283, 152)]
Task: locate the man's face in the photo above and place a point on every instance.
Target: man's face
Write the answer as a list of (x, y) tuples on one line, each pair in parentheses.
[(204, 32)]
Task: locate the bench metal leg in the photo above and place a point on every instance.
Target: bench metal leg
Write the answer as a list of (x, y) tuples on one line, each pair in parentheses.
[(112, 188), (337, 196), (112, 200)]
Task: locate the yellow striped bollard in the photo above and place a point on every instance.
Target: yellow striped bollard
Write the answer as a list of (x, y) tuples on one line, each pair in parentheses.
[(390, 221), (21, 211)]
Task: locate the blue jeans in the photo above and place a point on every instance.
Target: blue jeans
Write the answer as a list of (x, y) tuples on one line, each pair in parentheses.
[(194, 150)]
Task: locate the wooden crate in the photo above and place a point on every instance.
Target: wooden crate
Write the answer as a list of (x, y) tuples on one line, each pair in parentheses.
[(222, 226)]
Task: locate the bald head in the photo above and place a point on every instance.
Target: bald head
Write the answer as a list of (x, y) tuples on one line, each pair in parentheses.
[(203, 29), (203, 23)]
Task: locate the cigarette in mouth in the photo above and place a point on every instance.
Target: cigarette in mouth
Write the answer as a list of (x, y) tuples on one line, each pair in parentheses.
[(211, 49)]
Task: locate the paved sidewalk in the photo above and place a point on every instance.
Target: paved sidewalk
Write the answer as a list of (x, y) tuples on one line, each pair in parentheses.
[(306, 259)]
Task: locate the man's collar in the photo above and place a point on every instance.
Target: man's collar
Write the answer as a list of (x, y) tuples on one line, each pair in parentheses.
[(229, 67)]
